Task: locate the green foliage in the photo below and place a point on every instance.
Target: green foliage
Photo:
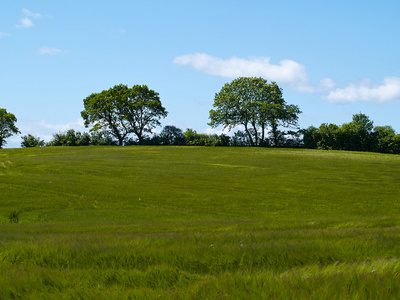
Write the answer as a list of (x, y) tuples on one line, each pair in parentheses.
[(77, 138), (120, 111), (101, 138), (7, 126), (384, 139), (358, 135), (31, 141), (143, 110), (70, 138), (192, 138), (171, 135), (257, 106), (240, 139), (104, 111)]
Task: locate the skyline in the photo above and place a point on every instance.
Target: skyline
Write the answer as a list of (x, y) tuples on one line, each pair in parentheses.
[(333, 60)]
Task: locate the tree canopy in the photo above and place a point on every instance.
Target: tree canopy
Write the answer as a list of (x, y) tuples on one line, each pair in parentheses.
[(31, 141), (256, 105), (143, 110), (120, 111), (7, 126)]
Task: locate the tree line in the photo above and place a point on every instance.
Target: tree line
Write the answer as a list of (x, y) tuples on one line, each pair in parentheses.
[(128, 116), (357, 135)]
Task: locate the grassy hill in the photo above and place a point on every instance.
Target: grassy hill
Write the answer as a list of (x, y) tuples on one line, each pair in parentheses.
[(194, 222)]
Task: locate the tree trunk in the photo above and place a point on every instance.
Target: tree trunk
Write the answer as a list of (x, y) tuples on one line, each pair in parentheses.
[(275, 134), (249, 135)]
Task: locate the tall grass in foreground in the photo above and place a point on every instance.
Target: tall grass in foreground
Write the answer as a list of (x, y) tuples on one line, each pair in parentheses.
[(198, 223), (251, 262)]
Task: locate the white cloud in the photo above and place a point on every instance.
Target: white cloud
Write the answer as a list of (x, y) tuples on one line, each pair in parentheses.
[(287, 71), (3, 34), (51, 51), (294, 74), (31, 14), (25, 23), (367, 91)]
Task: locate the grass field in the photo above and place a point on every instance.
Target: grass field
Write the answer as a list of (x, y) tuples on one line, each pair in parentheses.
[(198, 223)]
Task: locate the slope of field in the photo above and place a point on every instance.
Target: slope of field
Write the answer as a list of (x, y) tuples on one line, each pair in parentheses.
[(194, 222)]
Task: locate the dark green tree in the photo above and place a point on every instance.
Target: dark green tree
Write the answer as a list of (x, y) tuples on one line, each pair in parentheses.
[(383, 139), (256, 105), (328, 136), (311, 137), (31, 141), (68, 138), (223, 140), (240, 138), (7, 126), (395, 146), (171, 135), (357, 135)]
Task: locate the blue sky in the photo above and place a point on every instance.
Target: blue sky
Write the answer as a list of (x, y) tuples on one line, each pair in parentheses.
[(331, 58)]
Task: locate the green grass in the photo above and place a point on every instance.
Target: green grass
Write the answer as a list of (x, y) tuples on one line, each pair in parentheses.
[(198, 223)]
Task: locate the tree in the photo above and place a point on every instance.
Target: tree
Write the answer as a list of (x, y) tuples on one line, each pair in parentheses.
[(31, 141), (121, 111), (101, 138), (143, 110), (7, 126), (171, 135), (357, 135), (328, 136), (396, 144), (383, 139), (68, 138), (105, 111), (257, 106), (240, 138), (223, 140), (276, 113), (192, 138), (311, 137)]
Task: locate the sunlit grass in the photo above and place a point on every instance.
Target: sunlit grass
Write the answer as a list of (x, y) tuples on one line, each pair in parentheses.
[(193, 223)]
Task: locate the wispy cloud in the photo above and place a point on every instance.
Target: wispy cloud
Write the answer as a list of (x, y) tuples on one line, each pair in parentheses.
[(51, 51), (287, 71), (31, 14), (4, 34), (367, 91), (25, 23)]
